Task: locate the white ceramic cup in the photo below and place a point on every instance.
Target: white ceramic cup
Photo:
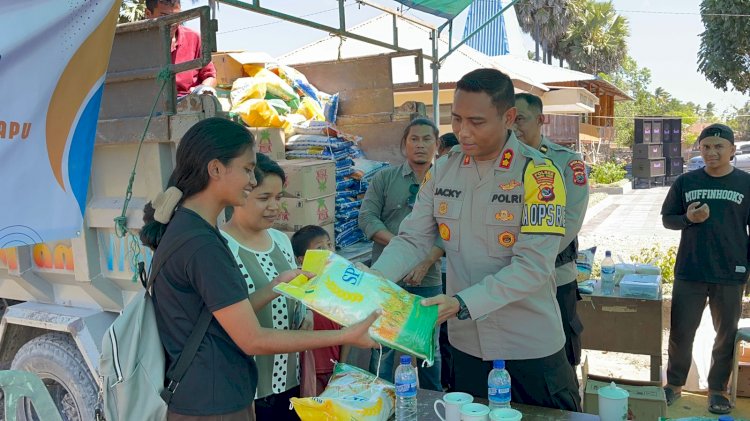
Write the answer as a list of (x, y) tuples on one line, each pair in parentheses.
[(505, 414), (475, 412), (452, 403), (613, 403)]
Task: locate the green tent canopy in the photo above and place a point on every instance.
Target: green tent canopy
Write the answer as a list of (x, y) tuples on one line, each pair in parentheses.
[(447, 9)]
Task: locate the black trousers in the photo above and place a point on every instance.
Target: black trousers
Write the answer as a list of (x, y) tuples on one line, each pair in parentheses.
[(549, 382), (446, 369), (688, 302), (567, 299)]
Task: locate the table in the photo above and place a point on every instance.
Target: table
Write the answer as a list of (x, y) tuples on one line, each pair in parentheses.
[(623, 324), (426, 399)]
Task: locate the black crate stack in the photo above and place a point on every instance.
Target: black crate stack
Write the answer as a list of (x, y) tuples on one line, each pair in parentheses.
[(657, 149), (673, 146)]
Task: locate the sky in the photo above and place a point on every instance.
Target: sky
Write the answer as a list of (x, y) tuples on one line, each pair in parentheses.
[(664, 37)]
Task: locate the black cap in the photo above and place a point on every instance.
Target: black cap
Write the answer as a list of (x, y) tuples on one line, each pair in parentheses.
[(717, 130)]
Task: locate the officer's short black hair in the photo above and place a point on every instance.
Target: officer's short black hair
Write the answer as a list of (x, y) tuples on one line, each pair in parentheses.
[(301, 239), (534, 101), (151, 4), (494, 83)]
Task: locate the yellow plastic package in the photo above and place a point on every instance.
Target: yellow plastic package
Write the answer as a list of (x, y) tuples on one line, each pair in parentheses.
[(274, 84), (259, 113), (310, 109), (246, 88), (352, 394), (347, 295)]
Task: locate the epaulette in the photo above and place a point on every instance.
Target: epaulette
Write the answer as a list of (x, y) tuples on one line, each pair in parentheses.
[(531, 153)]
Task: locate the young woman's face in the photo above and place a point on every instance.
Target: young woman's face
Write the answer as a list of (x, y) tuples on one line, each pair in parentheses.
[(262, 207), (239, 178)]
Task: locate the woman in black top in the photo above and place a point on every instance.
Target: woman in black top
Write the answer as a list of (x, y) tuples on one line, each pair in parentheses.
[(214, 169)]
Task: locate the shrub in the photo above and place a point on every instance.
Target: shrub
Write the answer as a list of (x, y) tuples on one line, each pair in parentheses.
[(665, 260), (607, 173)]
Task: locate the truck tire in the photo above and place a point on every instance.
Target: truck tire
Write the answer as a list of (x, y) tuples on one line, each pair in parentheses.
[(55, 358)]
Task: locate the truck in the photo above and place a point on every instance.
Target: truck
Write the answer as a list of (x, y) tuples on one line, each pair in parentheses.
[(59, 298)]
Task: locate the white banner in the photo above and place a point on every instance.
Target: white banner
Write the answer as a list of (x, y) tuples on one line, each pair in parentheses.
[(53, 60)]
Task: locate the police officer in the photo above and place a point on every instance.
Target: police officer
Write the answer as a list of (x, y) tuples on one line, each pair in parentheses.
[(499, 207), (528, 129)]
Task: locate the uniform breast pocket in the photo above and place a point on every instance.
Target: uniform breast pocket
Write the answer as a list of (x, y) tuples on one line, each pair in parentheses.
[(447, 213), (503, 225)]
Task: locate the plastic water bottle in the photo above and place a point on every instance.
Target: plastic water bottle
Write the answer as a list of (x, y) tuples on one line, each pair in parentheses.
[(406, 390), (498, 386), (608, 274)]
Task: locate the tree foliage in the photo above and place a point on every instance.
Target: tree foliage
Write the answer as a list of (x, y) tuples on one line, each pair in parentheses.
[(132, 11), (597, 38), (636, 82), (547, 22), (724, 54)]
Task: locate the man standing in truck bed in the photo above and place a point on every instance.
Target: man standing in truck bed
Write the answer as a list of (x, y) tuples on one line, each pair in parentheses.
[(186, 46)]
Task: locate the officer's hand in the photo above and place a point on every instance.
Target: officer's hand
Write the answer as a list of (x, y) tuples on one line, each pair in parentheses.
[(414, 278), (697, 213), (447, 306)]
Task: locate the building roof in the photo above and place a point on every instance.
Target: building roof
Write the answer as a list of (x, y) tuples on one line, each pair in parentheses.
[(410, 36), (550, 75)]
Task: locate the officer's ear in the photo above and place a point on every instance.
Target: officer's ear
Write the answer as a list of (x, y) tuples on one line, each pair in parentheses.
[(540, 119), (510, 116)]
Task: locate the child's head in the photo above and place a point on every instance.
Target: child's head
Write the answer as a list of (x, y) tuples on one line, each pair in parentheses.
[(310, 237)]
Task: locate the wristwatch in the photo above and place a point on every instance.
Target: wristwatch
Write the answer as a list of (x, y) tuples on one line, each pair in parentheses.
[(463, 311)]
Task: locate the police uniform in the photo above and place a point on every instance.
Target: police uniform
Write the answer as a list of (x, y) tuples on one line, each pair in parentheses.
[(576, 186), (501, 234)]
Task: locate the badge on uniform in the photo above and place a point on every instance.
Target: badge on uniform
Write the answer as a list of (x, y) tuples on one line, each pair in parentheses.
[(545, 180), (507, 159), (544, 200), (504, 215), (467, 161), (506, 239), (442, 208), (445, 232), (579, 172), (512, 184)]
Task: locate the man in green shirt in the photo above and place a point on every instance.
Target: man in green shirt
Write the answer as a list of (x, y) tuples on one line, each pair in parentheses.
[(528, 129), (388, 201)]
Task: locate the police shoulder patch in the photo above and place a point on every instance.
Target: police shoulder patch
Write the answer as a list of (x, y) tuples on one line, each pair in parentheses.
[(544, 200), (579, 172)]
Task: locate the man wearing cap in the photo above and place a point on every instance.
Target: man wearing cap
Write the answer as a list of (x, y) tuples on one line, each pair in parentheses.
[(528, 129), (711, 206)]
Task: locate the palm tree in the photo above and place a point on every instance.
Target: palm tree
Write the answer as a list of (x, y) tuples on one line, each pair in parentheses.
[(662, 96), (547, 21), (596, 40)]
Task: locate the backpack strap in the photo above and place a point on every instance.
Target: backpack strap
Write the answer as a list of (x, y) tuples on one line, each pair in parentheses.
[(193, 342)]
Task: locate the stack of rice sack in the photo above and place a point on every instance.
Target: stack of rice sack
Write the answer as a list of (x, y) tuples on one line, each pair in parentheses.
[(279, 96), (323, 142)]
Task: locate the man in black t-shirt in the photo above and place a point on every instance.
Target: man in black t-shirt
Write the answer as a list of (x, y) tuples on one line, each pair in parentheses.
[(711, 206)]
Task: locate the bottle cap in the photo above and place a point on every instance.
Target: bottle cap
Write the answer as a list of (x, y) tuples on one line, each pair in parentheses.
[(499, 364), (608, 253), (406, 359), (726, 418)]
